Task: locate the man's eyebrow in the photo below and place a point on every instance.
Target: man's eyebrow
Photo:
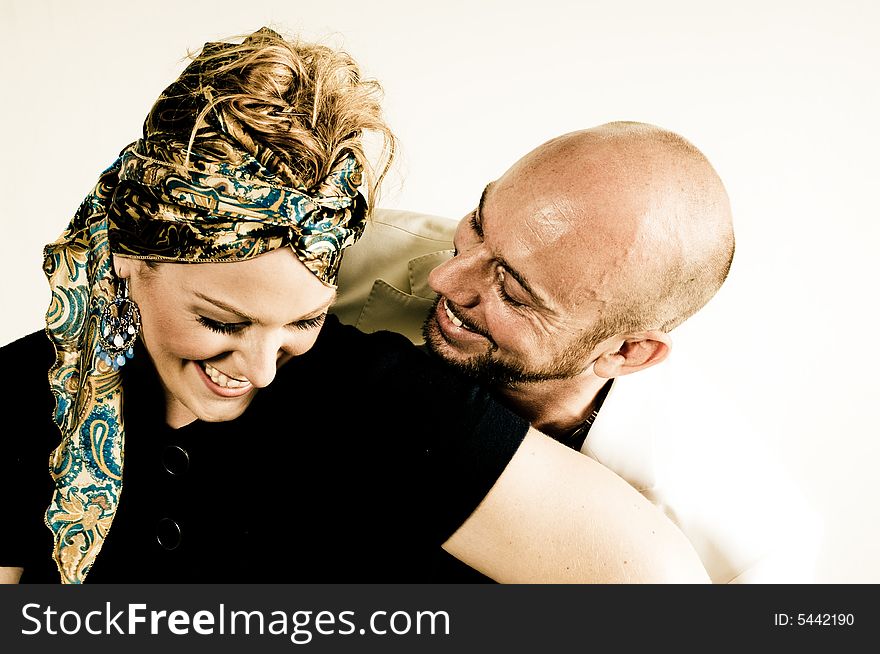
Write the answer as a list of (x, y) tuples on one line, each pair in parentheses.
[(522, 282), (478, 227), (477, 222), (244, 316)]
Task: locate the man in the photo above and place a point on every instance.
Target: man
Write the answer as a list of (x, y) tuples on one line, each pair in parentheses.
[(565, 280)]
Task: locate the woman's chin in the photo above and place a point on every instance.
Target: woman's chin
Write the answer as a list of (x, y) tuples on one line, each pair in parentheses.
[(222, 410), (207, 409)]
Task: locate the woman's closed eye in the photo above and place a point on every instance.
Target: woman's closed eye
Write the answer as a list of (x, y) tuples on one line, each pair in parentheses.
[(309, 323), (236, 327), (222, 327)]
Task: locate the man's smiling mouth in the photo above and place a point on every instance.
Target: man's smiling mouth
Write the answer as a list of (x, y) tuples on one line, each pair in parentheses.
[(458, 322)]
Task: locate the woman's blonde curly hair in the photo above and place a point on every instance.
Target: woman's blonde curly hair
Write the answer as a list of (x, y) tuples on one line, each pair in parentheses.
[(296, 107)]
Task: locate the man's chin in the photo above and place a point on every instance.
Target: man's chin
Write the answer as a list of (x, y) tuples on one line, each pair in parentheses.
[(438, 345), (479, 367), (483, 367)]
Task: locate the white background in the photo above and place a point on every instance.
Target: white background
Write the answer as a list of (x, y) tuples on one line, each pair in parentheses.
[(783, 97)]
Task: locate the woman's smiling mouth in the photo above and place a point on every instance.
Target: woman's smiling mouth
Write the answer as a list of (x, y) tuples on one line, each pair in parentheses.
[(220, 383)]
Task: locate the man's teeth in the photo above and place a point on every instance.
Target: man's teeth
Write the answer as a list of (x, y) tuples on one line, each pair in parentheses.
[(452, 317), (222, 380)]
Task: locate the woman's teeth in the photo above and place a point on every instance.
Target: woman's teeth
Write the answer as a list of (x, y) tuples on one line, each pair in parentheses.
[(452, 317), (222, 380)]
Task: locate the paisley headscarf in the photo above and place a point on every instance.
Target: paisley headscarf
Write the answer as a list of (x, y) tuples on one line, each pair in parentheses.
[(160, 201)]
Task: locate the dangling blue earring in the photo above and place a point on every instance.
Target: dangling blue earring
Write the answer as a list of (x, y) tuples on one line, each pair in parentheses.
[(119, 327)]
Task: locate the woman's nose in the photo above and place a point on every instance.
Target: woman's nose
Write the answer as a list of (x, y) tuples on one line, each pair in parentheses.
[(259, 361)]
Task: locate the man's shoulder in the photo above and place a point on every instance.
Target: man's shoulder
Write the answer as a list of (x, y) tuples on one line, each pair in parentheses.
[(347, 343), (373, 362)]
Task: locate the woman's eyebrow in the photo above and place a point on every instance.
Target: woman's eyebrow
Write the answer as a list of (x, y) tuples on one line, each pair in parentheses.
[(225, 307), (319, 312), (244, 316)]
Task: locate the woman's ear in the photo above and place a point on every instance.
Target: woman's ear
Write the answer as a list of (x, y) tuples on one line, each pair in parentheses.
[(637, 351), (121, 267), (125, 267)]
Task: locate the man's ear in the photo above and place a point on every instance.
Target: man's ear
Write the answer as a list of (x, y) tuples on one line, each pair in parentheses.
[(637, 351)]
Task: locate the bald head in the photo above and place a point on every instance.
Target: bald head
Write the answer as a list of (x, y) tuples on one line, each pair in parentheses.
[(645, 203), (581, 257)]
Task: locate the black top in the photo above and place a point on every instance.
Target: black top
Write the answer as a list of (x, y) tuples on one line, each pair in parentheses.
[(354, 465)]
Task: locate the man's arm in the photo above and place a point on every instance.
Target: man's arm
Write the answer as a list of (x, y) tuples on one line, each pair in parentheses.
[(556, 516)]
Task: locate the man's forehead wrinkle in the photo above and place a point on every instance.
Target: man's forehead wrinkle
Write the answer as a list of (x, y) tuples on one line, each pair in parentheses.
[(579, 225), (548, 237), (546, 227), (547, 199), (516, 259), (555, 218), (593, 217), (593, 250)]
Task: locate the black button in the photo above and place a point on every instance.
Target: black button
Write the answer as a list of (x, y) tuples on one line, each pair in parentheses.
[(168, 534), (175, 459)]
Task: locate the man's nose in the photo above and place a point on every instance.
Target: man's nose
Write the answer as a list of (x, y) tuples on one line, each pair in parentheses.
[(457, 279)]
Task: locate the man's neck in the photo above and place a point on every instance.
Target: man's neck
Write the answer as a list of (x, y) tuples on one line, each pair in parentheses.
[(556, 407)]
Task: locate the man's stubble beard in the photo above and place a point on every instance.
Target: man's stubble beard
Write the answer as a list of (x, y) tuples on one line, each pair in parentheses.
[(487, 369)]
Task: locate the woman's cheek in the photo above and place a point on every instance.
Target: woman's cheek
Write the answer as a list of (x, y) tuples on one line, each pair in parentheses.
[(198, 343)]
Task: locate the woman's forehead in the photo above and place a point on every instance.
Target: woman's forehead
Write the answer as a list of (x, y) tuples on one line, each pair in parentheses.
[(267, 288)]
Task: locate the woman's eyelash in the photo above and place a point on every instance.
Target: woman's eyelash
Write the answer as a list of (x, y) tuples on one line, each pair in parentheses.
[(220, 327), (234, 327), (311, 323)]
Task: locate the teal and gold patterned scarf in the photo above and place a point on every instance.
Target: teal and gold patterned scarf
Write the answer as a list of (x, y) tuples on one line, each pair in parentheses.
[(160, 203)]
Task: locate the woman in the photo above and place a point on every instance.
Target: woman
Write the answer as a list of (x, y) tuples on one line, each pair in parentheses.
[(216, 426)]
